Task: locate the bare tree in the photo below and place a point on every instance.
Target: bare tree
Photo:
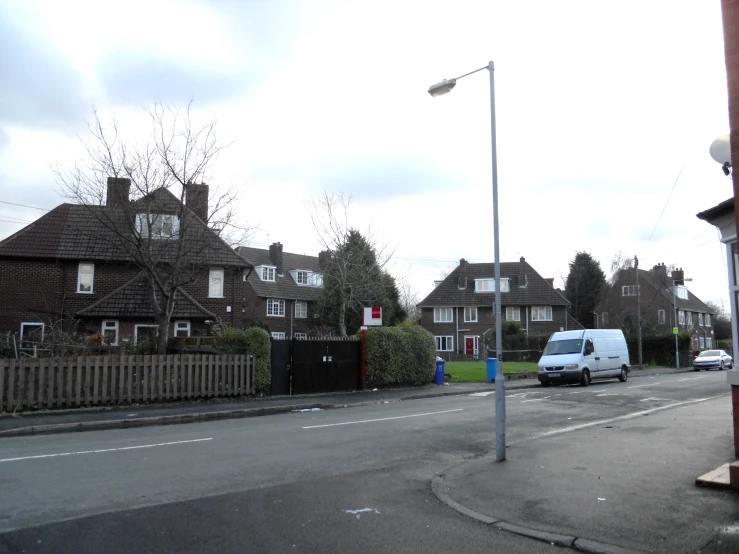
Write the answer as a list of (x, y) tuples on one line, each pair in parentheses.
[(151, 226), (409, 299), (353, 263)]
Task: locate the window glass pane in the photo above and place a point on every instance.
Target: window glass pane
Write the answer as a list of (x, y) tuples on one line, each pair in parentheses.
[(735, 257)]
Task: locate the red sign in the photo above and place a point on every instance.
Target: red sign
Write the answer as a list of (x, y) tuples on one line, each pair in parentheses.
[(376, 313)]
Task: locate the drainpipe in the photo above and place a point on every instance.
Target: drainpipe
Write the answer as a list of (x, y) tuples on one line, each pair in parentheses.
[(233, 296), (456, 320)]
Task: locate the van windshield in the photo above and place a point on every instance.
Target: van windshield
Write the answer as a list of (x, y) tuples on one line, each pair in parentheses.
[(571, 346)]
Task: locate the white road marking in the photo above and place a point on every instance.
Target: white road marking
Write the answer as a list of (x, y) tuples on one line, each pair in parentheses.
[(380, 419), (653, 398), (639, 386), (102, 450), (690, 379), (624, 417), (535, 399), (599, 390), (608, 394), (486, 393)]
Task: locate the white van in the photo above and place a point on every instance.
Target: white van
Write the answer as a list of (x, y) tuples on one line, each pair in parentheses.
[(579, 356)]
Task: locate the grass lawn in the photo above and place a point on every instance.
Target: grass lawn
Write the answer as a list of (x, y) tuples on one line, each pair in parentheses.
[(476, 372)]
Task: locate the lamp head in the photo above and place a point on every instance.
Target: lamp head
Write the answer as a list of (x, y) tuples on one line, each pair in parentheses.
[(720, 151), (442, 87)]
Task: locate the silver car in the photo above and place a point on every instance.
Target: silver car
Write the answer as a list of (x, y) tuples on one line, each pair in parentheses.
[(713, 359)]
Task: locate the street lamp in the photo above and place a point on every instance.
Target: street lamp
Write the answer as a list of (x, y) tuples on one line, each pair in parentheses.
[(677, 325), (438, 89), (720, 151)]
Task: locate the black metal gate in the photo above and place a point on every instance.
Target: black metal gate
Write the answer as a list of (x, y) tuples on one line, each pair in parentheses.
[(280, 359), (313, 366)]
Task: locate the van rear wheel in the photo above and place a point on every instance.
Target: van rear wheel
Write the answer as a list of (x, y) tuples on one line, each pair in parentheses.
[(585, 379), (624, 375)]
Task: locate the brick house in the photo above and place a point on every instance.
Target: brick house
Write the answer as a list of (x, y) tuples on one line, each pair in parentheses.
[(459, 311), (69, 269), (282, 291), (618, 308)]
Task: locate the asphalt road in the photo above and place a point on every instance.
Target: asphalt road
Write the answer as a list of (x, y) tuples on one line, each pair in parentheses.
[(325, 481)]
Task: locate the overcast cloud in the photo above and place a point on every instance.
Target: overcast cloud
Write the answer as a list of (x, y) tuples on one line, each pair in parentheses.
[(600, 107)]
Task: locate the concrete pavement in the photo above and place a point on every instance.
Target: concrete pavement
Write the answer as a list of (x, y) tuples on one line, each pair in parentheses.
[(615, 486), (180, 412)]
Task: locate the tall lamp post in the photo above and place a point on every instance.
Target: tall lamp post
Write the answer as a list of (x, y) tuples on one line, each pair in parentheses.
[(437, 90), (676, 330)]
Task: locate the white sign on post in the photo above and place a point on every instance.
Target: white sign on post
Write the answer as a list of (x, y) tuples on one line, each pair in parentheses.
[(372, 316)]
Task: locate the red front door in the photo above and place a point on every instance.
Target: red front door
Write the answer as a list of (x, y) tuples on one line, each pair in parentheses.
[(469, 346)]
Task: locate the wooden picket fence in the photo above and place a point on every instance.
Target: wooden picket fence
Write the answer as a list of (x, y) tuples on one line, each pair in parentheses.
[(40, 383)]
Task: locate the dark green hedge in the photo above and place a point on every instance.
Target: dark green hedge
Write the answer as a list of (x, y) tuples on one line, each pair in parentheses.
[(657, 350), (400, 356), (254, 341)]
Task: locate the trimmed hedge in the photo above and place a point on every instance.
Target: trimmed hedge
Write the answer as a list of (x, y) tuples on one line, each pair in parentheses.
[(400, 356), (254, 341), (657, 350)]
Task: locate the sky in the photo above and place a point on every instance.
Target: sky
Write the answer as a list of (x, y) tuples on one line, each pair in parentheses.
[(605, 112)]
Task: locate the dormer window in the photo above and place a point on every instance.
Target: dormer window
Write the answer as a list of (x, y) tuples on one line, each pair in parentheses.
[(301, 278), (158, 226), (681, 292), (267, 273), (306, 278), (488, 285)]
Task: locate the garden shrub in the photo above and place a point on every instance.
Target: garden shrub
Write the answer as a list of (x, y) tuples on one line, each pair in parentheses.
[(254, 341), (400, 356)]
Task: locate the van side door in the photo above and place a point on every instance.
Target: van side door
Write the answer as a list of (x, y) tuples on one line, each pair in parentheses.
[(589, 357)]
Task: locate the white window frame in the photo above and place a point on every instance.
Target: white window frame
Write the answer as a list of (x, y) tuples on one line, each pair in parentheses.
[(136, 330), (604, 318), (448, 341), (278, 335), (488, 285), (447, 311), (315, 280), (468, 317), (681, 317), (709, 343), (303, 313), (104, 326), (681, 292), (513, 313), (630, 290), (661, 317), (267, 273), (702, 343), (536, 316), (279, 311), (301, 277), (689, 319), (301, 336), (181, 325), (34, 324), (708, 321), (215, 270), (154, 226), (700, 319), (80, 272)]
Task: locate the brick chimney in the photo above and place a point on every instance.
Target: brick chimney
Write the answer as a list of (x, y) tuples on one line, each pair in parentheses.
[(462, 279), (275, 256), (678, 276), (550, 280), (323, 257), (522, 282), (118, 191), (196, 198)]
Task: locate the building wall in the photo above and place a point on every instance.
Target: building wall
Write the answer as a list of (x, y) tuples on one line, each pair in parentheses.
[(255, 307), (46, 291), (486, 322)]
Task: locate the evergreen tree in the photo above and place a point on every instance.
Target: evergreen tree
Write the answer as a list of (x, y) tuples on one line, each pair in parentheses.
[(585, 283)]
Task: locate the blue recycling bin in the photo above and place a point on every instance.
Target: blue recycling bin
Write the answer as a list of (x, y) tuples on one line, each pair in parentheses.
[(492, 367), (439, 372)]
